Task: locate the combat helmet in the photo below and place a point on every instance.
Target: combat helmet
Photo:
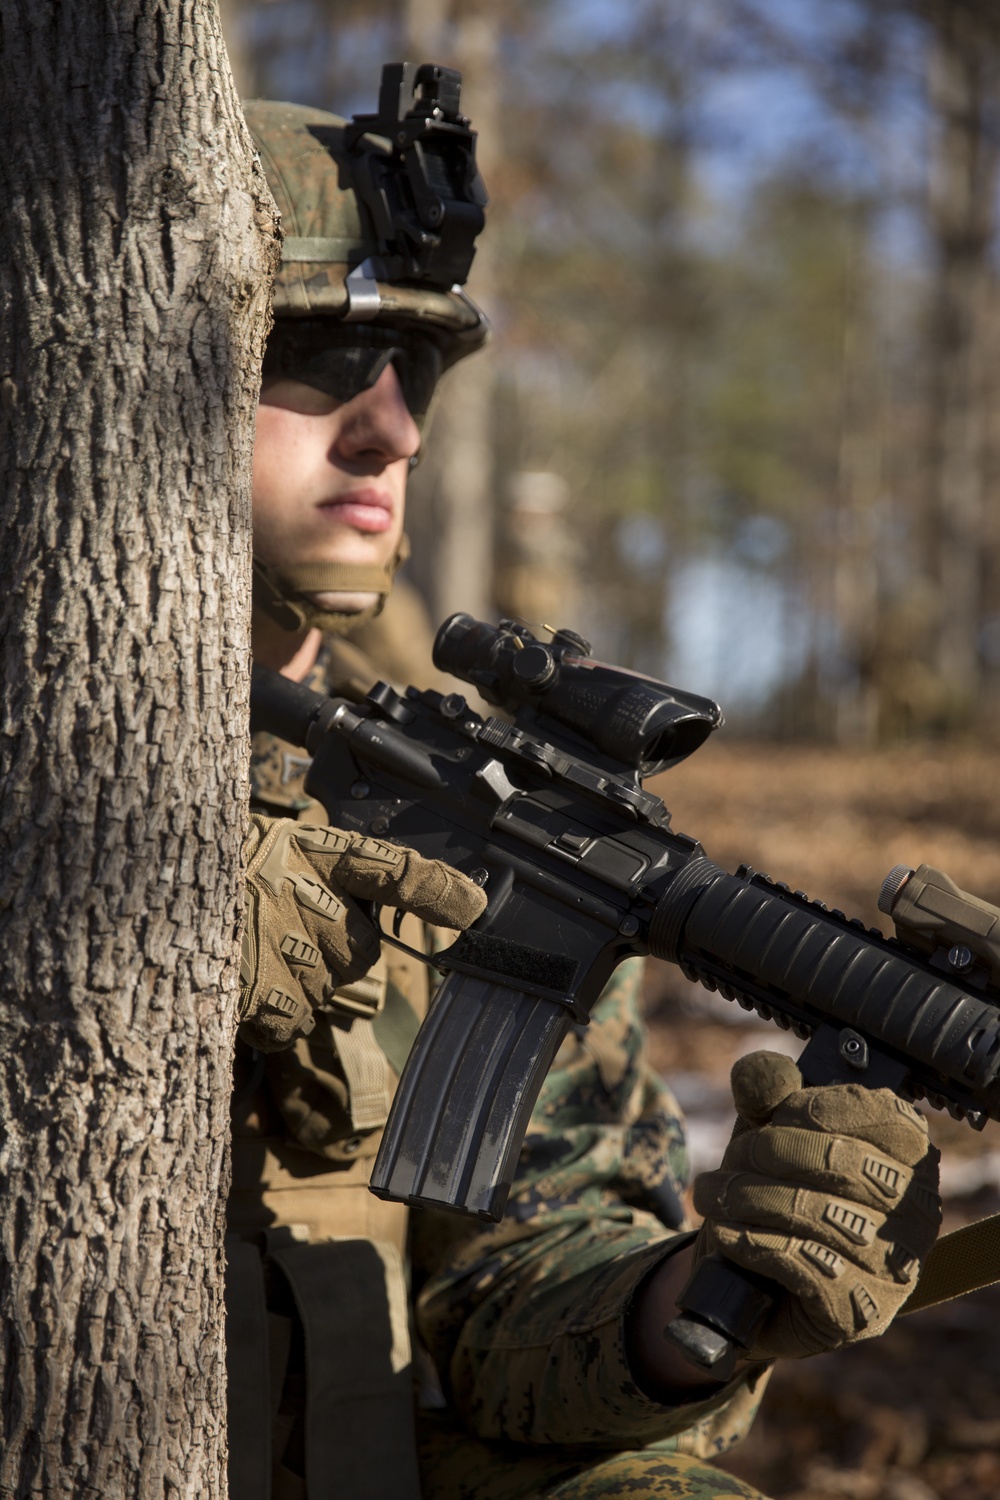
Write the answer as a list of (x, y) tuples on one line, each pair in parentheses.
[(379, 216)]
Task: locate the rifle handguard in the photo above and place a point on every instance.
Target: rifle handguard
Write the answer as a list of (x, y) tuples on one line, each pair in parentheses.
[(805, 967)]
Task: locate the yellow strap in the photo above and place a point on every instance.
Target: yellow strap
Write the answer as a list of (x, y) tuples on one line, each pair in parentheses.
[(276, 589), (361, 1057), (367, 1075), (334, 577), (964, 1261)]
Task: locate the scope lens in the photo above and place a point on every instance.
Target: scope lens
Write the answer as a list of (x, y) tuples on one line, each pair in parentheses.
[(677, 741)]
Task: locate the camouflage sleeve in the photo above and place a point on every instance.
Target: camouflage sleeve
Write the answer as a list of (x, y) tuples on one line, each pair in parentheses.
[(525, 1318)]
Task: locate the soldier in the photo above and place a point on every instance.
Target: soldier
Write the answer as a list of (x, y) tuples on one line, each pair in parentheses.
[(538, 1342)]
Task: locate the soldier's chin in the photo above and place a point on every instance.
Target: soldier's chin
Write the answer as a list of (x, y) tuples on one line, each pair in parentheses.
[(344, 604)]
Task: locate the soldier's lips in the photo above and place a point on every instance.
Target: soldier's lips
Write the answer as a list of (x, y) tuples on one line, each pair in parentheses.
[(363, 510)]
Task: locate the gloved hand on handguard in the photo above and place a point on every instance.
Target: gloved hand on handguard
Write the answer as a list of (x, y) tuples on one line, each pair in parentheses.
[(833, 1193), (305, 933)]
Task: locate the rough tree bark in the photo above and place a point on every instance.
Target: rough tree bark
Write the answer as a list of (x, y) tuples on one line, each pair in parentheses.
[(136, 244)]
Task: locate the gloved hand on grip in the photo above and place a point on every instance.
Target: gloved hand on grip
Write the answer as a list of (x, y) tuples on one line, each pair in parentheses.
[(305, 933), (831, 1192)]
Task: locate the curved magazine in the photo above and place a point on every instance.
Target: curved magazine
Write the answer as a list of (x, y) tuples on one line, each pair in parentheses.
[(465, 1097)]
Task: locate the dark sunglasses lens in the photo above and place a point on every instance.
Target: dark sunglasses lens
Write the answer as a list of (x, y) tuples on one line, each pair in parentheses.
[(343, 372), (343, 363), (418, 366)]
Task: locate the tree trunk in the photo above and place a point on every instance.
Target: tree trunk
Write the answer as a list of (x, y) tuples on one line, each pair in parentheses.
[(855, 561), (135, 247), (451, 518), (962, 73)]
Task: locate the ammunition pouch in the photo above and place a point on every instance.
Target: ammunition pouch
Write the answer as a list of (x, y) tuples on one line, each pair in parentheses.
[(319, 1367)]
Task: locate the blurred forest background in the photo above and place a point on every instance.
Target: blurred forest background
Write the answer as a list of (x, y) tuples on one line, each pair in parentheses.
[(740, 425), (740, 421)]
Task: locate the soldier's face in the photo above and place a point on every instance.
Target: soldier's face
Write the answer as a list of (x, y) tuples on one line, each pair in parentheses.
[(329, 477)]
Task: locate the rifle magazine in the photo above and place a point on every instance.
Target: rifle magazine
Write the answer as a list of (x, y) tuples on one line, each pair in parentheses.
[(465, 1097)]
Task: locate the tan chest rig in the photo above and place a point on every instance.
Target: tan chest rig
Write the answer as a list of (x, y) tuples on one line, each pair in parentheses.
[(307, 1121)]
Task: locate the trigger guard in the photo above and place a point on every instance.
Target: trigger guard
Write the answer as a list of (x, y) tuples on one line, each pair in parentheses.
[(374, 911)]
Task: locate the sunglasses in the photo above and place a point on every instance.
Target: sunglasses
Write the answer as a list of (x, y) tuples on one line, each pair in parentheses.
[(344, 361)]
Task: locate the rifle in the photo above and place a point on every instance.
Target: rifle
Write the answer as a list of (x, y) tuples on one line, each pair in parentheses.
[(546, 810)]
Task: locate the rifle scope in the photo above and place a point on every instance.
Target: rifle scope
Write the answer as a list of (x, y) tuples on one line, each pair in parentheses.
[(632, 719)]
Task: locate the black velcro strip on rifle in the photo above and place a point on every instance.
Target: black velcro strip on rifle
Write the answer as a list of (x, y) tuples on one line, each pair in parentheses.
[(510, 960)]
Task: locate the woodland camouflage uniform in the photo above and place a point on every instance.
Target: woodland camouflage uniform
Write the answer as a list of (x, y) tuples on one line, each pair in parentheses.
[(339, 1306)]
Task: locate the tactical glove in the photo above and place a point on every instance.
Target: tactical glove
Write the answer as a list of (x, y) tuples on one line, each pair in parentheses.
[(304, 935), (831, 1192)]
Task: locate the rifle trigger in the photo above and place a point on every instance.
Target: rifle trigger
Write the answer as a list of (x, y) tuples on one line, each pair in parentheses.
[(394, 939)]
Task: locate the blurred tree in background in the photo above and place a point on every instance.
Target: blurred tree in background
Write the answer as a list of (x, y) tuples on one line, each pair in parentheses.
[(741, 413)]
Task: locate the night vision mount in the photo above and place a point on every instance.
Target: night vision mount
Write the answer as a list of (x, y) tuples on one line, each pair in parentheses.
[(424, 194)]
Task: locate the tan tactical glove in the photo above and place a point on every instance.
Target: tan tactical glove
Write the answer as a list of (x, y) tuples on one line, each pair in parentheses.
[(304, 935), (832, 1192)]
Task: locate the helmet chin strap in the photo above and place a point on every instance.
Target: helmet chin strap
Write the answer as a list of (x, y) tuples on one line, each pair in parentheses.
[(285, 594)]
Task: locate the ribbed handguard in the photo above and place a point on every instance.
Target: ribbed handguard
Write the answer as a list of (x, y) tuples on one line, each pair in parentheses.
[(807, 966), (467, 1091)]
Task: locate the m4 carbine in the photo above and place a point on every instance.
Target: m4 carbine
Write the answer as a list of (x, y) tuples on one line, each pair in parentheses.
[(545, 808)]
